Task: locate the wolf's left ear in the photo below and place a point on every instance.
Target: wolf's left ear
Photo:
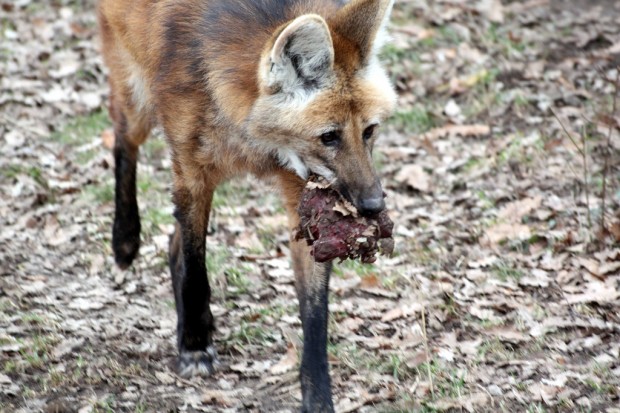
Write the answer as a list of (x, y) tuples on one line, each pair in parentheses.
[(364, 22), (301, 58)]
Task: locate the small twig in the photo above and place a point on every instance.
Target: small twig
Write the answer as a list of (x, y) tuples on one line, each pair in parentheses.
[(428, 358), (607, 151), (566, 132), (460, 397), (584, 155)]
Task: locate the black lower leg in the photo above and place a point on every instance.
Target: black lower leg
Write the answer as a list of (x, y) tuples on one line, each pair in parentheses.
[(192, 295), (126, 230), (315, 381)]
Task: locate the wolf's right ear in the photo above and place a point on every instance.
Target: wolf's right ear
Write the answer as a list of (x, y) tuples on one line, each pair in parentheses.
[(301, 58)]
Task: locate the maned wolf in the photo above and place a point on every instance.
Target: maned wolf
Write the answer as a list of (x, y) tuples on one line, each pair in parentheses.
[(275, 88)]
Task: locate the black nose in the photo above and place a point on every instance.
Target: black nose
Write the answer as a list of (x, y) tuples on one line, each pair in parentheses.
[(371, 206)]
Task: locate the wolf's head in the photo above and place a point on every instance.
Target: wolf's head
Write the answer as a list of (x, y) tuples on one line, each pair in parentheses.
[(323, 95)]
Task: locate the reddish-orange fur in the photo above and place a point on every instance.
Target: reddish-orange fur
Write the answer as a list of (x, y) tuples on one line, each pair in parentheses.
[(204, 70)]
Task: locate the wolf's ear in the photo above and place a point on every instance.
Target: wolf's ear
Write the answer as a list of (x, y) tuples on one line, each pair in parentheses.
[(364, 23), (302, 56)]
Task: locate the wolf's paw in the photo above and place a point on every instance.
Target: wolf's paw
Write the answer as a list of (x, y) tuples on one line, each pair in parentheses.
[(126, 238), (198, 363), (125, 253)]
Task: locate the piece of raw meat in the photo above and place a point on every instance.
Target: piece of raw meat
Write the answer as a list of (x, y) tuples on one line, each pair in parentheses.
[(335, 229)]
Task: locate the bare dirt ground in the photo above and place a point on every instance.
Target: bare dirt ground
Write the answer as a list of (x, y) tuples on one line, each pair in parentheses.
[(503, 294)]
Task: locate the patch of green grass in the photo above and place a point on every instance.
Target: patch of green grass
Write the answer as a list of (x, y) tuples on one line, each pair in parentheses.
[(277, 311), (11, 171), (565, 404), (508, 45), (449, 35), (28, 393), (144, 185), (415, 120), (521, 386), (250, 333), (602, 371), (482, 94), (230, 193), (447, 382), (32, 319), (492, 348), (486, 323), (5, 305), (354, 266), (358, 360), (486, 201), (14, 170), (267, 239), (36, 353), (236, 277), (378, 160), (538, 312), (349, 354), (394, 279), (154, 217), (55, 379), (395, 366), (83, 129), (36, 174), (520, 101), (141, 408), (471, 164), (391, 53), (443, 36), (102, 193), (585, 309), (227, 276), (536, 408), (395, 57), (216, 260), (599, 387), (505, 272), (6, 24), (566, 31), (349, 267), (428, 43), (154, 148), (106, 405), (10, 366), (449, 304)]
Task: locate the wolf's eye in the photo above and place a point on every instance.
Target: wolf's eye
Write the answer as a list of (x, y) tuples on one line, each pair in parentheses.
[(368, 132), (331, 138)]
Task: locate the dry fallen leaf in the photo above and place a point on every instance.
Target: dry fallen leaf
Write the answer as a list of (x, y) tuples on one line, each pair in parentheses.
[(515, 211), (286, 363), (415, 177), (370, 281), (107, 138), (505, 231), (492, 10), (403, 311), (591, 265)]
